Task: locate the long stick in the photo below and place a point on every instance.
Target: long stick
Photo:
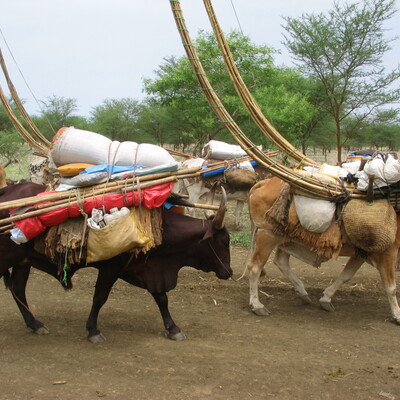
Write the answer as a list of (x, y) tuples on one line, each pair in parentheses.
[(75, 200), (92, 190)]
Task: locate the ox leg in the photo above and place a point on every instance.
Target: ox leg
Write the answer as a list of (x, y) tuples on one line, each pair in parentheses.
[(238, 213), (18, 280), (386, 265), (351, 267), (281, 260), (106, 278), (264, 244), (173, 331)]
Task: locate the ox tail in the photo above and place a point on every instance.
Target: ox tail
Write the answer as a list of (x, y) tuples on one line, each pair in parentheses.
[(253, 230), (7, 279)]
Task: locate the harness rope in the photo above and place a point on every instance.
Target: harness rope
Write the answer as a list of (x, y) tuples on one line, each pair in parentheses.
[(223, 265)]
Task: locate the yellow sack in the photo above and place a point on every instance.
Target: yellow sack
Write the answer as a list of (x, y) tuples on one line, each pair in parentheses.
[(120, 236), (72, 169)]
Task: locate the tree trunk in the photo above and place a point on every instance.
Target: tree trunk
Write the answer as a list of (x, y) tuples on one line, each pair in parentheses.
[(338, 142)]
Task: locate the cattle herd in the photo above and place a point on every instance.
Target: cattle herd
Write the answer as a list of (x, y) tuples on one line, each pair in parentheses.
[(186, 241)]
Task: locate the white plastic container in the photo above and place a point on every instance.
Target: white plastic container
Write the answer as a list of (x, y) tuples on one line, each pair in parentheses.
[(115, 214)]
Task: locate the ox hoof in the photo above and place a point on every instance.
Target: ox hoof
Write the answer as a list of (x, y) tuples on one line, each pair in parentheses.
[(395, 320), (305, 299), (327, 306), (179, 336), (99, 338), (42, 331), (262, 312)]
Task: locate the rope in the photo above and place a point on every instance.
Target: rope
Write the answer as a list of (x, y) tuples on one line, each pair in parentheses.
[(42, 139), (237, 19), (220, 261), (64, 271), (21, 302)]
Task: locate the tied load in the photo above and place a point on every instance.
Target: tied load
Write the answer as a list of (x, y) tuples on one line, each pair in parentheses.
[(369, 225), (72, 145)]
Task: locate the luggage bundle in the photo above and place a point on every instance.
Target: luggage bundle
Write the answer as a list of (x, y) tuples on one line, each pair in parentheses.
[(85, 158), (87, 164), (370, 225)]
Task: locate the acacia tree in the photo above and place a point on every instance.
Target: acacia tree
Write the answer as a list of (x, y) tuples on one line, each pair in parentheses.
[(343, 49), (117, 119), (11, 143), (57, 112), (277, 91)]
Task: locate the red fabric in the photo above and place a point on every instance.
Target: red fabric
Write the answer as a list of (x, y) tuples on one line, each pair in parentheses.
[(151, 197)]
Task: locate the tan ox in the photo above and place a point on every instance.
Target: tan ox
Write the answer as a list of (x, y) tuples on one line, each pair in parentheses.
[(3, 181), (3, 175), (261, 198)]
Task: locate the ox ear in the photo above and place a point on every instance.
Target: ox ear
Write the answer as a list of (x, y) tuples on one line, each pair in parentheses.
[(218, 222)]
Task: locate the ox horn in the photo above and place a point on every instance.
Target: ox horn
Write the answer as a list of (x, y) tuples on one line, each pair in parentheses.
[(218, 222), (210, 200)]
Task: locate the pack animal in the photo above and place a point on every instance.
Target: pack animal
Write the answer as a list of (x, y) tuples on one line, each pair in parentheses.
[(261, 199), (197, 188), (3, 176), (39, 172), (186, 241)]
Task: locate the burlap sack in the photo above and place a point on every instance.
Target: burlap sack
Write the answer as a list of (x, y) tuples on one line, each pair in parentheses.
[(284, 220), (120, 236), (240, 178), (372, 226)]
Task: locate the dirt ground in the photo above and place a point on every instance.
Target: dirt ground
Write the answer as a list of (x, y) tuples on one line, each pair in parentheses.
[(297, 352)]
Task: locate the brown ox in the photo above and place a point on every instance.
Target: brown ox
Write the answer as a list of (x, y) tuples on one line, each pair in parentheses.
[(261, 198), (201, 244)]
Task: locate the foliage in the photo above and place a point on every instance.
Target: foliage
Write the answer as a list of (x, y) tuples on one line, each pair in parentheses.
[(241, 238), (275, 89), (382, 132), (5, 122), (10, 141), (162, 125), (57, 112), (343, 50), (117, 119), (11, 145)]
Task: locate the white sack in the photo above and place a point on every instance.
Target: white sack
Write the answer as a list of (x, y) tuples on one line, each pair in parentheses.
[(384, 173), (350, 167), (315, 215), (391, 170), (222, 151), (193, 163), (77, 145), (246, 165)]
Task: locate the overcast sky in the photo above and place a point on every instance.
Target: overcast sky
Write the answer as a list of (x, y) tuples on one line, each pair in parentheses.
[(92, 50)]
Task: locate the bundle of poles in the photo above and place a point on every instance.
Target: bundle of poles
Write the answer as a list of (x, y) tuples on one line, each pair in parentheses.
[(37, 205)]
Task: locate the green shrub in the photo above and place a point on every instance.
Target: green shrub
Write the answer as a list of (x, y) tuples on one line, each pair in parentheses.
[(242, 239)]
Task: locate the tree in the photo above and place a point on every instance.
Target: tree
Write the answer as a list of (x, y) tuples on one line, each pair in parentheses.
[(275, 89), (5, 121), (117, 119), (57, 112), (160, 125), (11, 143), (382, 132), (343, 50)]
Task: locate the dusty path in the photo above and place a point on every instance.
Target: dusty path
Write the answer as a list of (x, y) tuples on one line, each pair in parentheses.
[(298, 352)]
